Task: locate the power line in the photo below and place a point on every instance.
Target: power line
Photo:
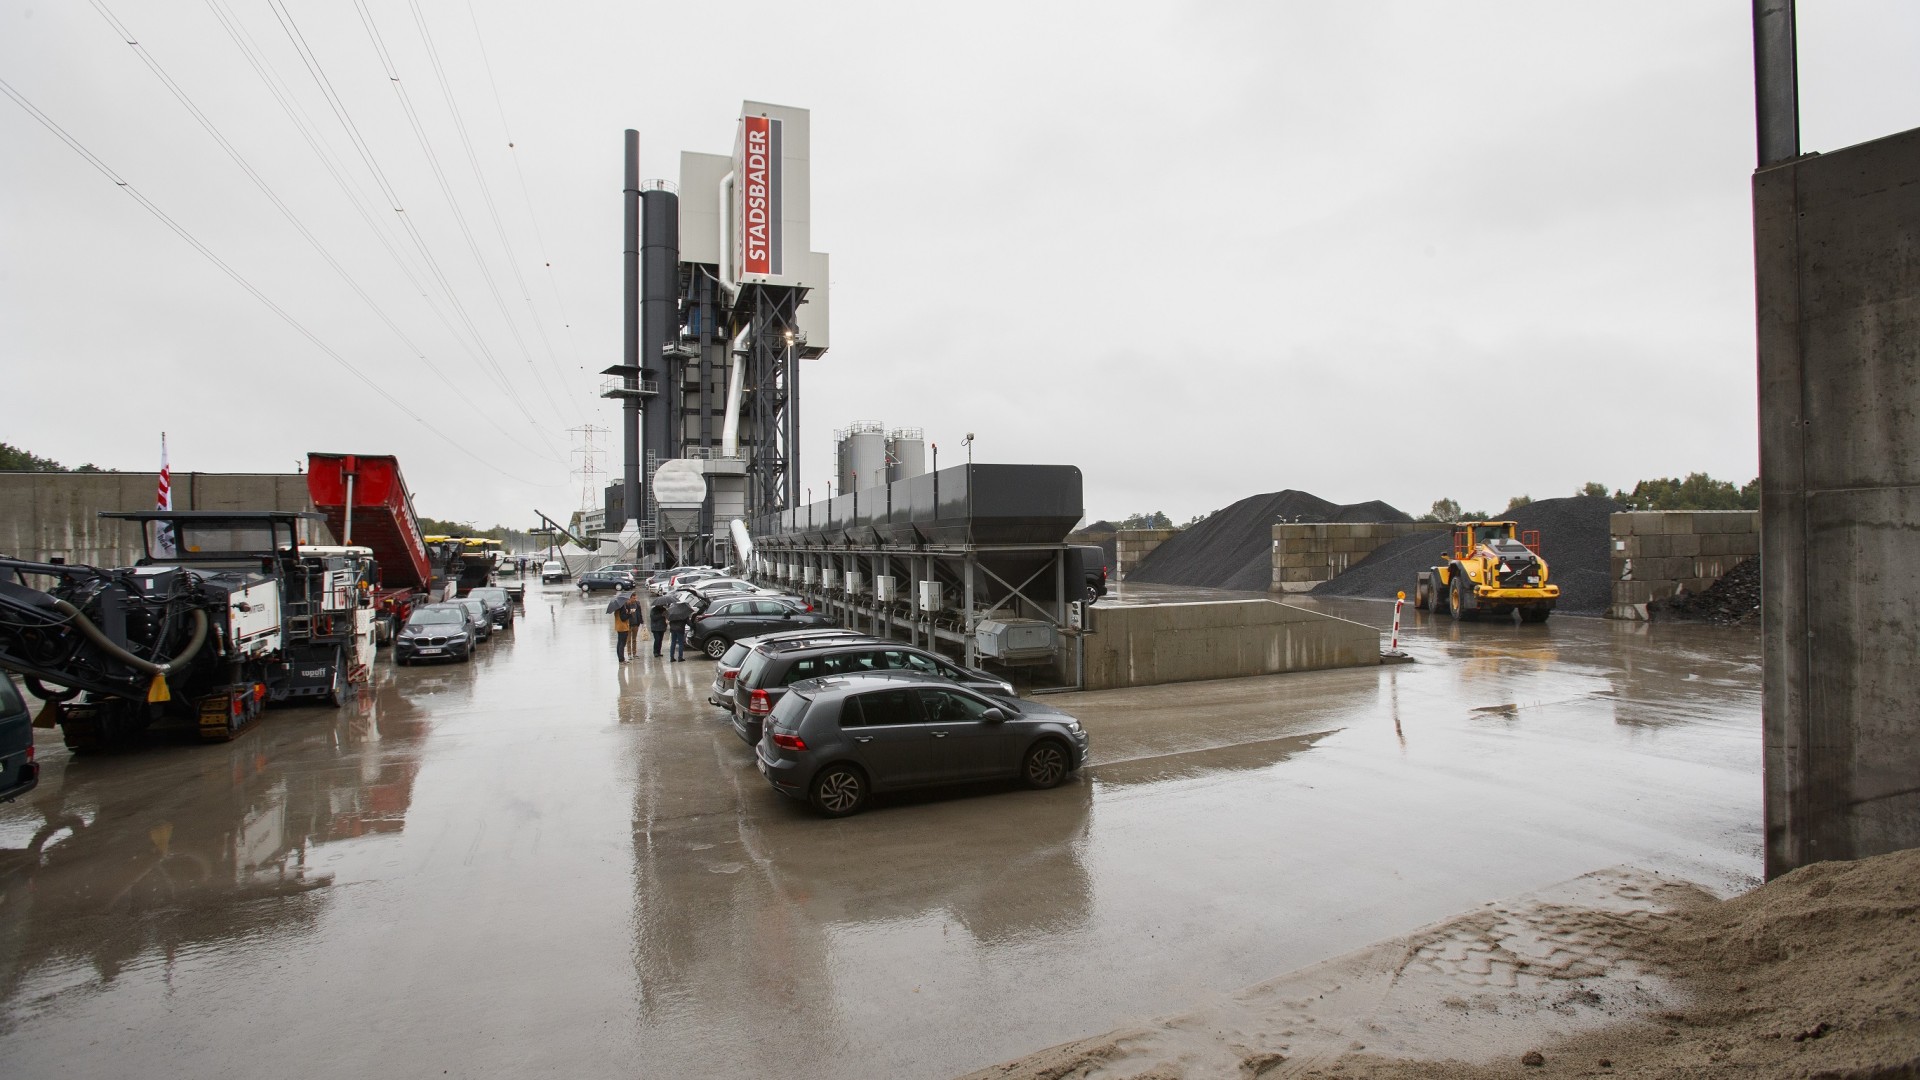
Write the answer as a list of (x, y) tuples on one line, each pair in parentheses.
[(446, 189), (260, 182), (151, 207), (513, 155), (486, 192), (309, 130), (318, 73)]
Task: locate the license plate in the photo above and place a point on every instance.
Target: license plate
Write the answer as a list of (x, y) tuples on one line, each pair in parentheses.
[(428, 651)]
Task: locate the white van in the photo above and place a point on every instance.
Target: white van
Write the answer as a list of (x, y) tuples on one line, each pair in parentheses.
[(553, 573)]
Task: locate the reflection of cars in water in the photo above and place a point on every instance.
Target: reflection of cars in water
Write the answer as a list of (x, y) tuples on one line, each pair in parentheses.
[(435, 632), (833, 741), (19, 773)]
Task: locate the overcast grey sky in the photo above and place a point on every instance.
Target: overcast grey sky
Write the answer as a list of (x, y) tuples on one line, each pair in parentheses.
[(1375, 250)]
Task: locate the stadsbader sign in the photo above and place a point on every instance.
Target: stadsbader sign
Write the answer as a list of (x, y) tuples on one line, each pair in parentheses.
[(760, 196)]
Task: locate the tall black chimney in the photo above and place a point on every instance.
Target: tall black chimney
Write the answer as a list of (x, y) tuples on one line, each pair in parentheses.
[(630, 487)]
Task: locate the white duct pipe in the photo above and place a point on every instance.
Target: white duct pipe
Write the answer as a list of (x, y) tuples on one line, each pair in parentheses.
[(727, 285), (736, 386)]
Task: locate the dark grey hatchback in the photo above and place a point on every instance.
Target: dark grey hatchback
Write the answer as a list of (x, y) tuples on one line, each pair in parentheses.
[(19, 773), (772, 667), (833, 741)]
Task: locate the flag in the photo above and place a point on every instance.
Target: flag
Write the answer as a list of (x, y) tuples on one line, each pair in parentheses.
[(163, 500)]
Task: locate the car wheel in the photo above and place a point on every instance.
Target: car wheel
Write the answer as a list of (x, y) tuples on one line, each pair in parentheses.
[(1093, 595), (716, 647), (838, 790), (1045, 764)]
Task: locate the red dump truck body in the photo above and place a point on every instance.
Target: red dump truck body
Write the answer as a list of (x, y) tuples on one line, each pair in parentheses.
[(383, 520)]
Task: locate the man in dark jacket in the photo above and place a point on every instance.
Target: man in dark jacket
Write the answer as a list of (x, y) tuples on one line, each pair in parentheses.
[(679, 614), (657, 622)]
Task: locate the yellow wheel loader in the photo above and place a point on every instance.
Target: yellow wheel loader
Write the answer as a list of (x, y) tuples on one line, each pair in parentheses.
[(1495, 570)]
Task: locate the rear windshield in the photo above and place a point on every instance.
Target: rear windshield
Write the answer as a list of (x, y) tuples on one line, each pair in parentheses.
[(735, 654), (756, 667), (787, 714)]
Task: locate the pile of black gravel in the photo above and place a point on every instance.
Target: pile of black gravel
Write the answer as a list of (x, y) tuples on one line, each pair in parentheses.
[(1233, 549), (1730, 601), (1574, 539)]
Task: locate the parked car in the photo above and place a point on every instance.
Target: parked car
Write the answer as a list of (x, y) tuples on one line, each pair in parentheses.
[(553, 573), (833, 741), (682, 579), (726, 586), (482, 618), (770, 669), (605, 581), (19, 773), (499, 605), (728, 667), (435, 632), (727, 619)]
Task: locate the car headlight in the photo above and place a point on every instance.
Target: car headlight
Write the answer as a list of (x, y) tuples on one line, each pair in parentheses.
[(1073, 725)]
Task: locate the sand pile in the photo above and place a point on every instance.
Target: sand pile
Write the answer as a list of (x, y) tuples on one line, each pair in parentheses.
[(1233, 549), (1574, 539), (1814, 975)]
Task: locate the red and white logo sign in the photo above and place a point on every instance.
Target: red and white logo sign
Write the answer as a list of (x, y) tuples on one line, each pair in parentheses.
[(759, 187)]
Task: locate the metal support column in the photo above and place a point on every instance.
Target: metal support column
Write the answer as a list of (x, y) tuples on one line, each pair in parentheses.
[(973, 659), (1776, 81)]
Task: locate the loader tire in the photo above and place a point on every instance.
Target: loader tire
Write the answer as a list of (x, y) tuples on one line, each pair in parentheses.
[(1457, 600)]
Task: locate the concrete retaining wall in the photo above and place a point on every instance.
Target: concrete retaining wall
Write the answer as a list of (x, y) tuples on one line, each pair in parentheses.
[(1306, 554), (1837, 292), (1165, 643), (1131, 546), (48, 514), (1656, 553)]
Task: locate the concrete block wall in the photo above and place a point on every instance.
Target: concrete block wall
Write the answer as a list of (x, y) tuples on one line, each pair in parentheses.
[(1837, 299), (1306, 554), (1656, 553), (48, 514), (1150, 644), (1132, 546)]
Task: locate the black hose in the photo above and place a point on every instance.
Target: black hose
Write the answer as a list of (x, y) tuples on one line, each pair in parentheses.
[(100, 638), (39, 690)]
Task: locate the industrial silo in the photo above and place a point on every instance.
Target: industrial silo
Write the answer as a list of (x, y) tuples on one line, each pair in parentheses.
[(863, 455), (906, 453)]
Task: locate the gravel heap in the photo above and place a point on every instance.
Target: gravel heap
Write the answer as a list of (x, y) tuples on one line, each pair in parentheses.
[(1233, 549), (1574, 539), (1731, 601)]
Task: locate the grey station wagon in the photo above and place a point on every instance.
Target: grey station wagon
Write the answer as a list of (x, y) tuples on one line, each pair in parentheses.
[(833, 741), (770, 669)]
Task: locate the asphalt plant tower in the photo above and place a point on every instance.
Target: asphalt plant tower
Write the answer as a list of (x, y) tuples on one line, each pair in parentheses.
[(730, 300)]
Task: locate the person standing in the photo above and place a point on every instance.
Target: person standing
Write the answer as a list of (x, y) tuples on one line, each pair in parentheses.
[(622, 630), (657, 622), (679, 613), (635, 613)]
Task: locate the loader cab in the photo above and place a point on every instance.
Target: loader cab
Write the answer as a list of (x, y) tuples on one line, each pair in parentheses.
[(1498, 537)]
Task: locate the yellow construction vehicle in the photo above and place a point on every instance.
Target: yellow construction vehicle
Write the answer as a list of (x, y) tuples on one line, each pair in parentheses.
[(1495, 570)]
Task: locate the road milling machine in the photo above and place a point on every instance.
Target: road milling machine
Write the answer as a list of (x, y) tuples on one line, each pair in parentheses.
[(227, 612), (1494, 570)]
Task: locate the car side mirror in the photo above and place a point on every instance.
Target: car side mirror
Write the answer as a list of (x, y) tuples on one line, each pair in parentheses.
[(993, 716)]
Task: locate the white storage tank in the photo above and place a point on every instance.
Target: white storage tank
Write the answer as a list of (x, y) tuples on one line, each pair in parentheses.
[(863, 455), (906, 453)]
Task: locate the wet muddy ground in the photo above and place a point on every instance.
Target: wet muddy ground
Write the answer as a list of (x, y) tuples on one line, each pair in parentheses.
[(547, 863)]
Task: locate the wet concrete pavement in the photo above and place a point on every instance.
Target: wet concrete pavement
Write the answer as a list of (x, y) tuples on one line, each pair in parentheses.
[(547, 863)]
